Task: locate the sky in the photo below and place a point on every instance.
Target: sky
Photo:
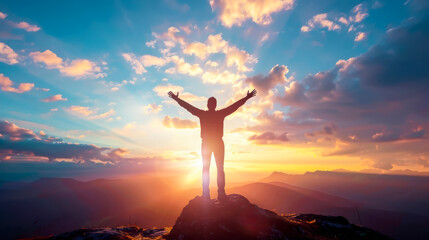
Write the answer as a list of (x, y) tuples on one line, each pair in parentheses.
[(341, 85)]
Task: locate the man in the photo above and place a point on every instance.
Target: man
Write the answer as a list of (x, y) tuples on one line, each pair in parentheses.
[(211, 122)]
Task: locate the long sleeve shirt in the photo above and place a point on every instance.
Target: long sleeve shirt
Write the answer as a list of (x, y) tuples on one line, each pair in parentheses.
[(211, 122)]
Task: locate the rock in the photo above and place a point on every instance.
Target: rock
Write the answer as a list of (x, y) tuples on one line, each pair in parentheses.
[(117, 233), (236, 218)]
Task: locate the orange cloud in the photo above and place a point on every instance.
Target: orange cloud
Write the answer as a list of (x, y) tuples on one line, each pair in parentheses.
[(82, 68), (89, 113), (6, 85), (178, 123), (50, 59), (78, 68), (171, 35), (85, 111), (27, 27), (238, 11), (360, 36), (54, 98), (152, 108)]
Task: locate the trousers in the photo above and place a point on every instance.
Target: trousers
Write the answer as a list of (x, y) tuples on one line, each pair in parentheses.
[(217, 147)]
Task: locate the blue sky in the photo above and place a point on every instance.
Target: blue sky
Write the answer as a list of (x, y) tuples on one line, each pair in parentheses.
[(101, 70)]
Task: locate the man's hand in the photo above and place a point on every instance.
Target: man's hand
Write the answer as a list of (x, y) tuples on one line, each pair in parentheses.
[(173, 96), (251, 94)]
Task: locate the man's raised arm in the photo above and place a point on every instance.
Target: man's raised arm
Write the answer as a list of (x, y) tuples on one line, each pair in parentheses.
[(193, 110), (232, 108)]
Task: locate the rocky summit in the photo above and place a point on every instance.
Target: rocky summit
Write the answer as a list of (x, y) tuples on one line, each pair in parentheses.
[(236, 218)]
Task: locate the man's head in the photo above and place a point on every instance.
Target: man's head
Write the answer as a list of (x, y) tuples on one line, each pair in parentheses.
[(212, 103)]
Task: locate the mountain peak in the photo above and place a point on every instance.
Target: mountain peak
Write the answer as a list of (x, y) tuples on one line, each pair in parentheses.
[(237, 218)]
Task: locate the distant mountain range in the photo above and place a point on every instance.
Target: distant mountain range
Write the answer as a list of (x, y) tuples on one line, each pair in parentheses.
[(393, 205)]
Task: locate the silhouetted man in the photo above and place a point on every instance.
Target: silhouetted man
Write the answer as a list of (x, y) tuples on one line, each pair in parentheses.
[(211, 122)]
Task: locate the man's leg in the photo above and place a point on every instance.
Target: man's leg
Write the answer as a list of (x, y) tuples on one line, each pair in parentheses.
[(206, 153), (219, 154)]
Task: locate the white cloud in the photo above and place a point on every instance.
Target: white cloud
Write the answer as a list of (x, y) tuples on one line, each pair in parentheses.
[(7, 54), (162, 90), (320, 20), (224, 77), (151, 44), (212, 63), (184, 67), (139, 63)]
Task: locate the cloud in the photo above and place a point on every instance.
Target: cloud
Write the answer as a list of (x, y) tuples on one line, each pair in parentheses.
[(135, 63), (151, 44), (213, 44), (391, 136), (360, 36), (7, 85), (152, 108), (239, 58), (184, 67), (171, 35), (178, 123), (162, 90), (78, 68), (378, 97), (3, 15), (11, 131), (198, 49), (17, 141), (269, 138), (236, 12), (276, 76), (54, 98), (211, 63), (81, 68), (360, 13), (50, 59), (7, 54), (90, 113), (224, 77), (216, 44), (320, 20), (27, 27), (84, 111), (139, 63)]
